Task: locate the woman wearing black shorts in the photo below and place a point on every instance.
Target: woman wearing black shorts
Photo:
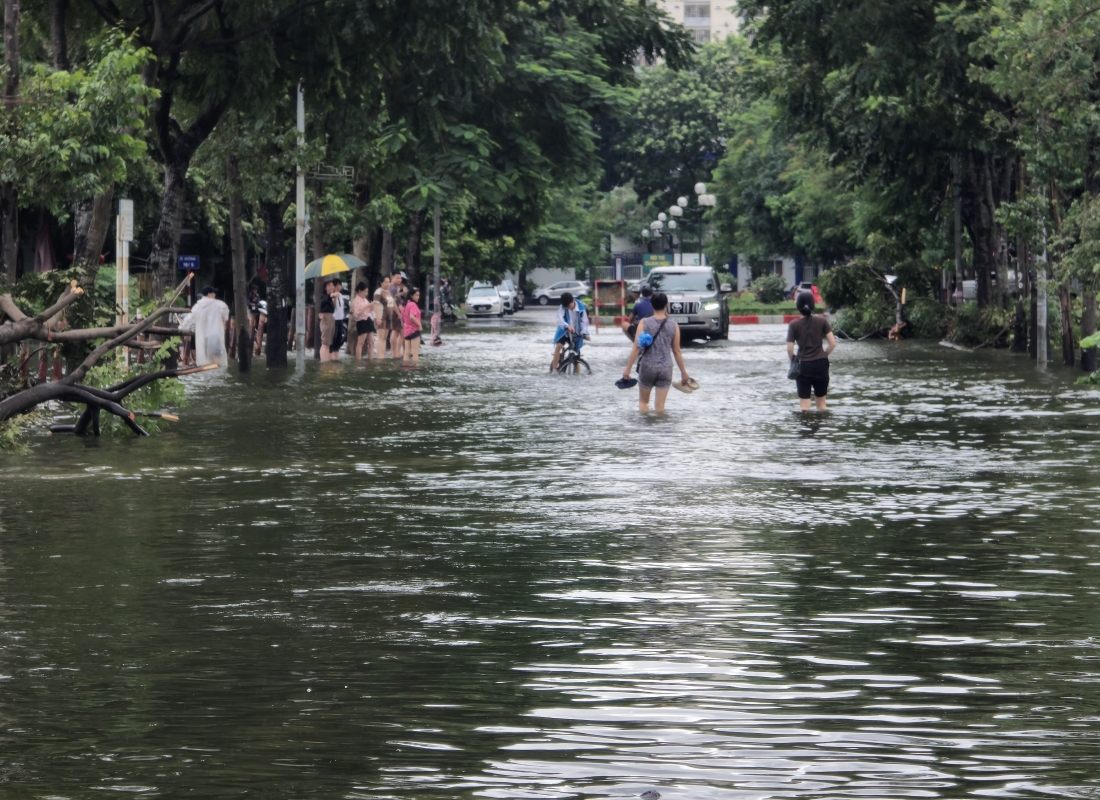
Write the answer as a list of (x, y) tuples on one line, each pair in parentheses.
[(815, 340)]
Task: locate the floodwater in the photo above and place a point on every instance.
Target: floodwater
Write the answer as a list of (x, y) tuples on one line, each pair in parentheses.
[(479, 580)]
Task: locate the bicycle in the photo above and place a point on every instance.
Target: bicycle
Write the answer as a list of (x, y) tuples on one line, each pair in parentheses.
[(570, 357)]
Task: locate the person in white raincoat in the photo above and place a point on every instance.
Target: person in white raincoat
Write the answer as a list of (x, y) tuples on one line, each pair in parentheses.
[(208, 319)]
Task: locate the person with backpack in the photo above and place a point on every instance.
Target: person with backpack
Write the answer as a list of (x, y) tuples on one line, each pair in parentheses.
[(572, 319), (815, 340), (656, 346)]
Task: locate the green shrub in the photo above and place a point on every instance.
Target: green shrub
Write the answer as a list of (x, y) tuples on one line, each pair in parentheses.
[(861, 319), (927, 319), (971, 326), (847, 285), (769, 288)]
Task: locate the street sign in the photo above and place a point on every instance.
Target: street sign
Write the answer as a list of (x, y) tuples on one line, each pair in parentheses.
[(188, 263), (650, 260), (126, 220)]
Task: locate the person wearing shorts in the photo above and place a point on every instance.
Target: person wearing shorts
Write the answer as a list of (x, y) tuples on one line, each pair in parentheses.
[(362, 311), (411, 325), (815, 340), (655, 358), (382, 301)]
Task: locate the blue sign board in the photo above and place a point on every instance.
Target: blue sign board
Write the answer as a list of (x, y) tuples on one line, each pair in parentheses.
[(188, 263)]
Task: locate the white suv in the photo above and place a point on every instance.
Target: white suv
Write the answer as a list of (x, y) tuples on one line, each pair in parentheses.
[(544, 294)]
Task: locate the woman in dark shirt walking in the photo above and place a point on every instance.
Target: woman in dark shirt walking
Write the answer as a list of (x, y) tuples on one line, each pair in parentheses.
[(815, 340)]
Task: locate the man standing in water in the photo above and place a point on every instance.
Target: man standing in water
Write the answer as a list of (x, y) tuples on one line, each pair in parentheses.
[(208, 320), (572, 318)]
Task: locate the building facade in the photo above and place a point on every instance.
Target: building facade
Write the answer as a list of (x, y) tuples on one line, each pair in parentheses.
[(707, 20)]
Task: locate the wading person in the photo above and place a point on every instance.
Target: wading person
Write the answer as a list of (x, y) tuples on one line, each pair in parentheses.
[(383, 301), (572, 318), (208, 319), (642, 309), (655, 347), (815, 340), (326, 323), (398, 293), (362, 311), (339, 316), (412, 324)]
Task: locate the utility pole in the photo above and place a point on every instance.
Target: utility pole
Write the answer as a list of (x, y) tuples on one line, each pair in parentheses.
[(1041, 344), (300, 241), (435, 277), (956, 190)]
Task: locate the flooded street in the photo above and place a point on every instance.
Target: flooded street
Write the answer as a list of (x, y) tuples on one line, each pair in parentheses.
[(476, 579)]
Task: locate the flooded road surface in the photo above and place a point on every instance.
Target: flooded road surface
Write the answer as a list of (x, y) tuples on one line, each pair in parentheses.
[(479, 580)]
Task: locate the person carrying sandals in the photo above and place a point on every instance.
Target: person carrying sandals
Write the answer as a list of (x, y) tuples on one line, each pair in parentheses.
[(656, 345)]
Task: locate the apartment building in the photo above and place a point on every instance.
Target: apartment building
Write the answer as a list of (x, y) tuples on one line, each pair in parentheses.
[(708, 20)]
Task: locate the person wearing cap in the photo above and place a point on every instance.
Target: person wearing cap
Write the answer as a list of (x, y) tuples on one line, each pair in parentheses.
[(208, 319), (642, 309)]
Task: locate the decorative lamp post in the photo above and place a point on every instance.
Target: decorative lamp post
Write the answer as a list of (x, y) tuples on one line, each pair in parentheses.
[(645, 238)]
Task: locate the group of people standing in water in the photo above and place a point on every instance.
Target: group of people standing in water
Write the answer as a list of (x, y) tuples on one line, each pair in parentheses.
[(656, 338), (391, 319)]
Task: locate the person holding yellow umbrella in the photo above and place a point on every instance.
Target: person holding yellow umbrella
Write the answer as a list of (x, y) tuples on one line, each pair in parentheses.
[(326, 267)]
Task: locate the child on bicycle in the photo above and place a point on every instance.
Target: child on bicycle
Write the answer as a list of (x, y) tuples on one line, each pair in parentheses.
[(572, 318)]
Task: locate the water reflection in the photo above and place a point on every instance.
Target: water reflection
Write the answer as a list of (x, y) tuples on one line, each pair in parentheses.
[(476, 579)]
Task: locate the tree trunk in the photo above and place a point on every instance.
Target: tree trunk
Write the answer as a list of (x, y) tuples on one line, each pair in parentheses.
[(386, 265), (272, 215), (166, 240), (240, 266), (92, 223), (1033, 337), (59, 46), (1019, 336), (11, 51), (1088, 325), (1065, 301), (412, 248), (318, 283), (177, 147), (9, 231), (981, 223), (374, 263)]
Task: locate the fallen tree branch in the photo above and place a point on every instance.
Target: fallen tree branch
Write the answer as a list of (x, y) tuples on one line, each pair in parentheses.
[(70, 389), (24, 327), (1002, 332)]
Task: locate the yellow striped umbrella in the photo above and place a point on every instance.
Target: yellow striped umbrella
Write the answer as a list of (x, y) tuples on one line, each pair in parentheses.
[(332, 264)]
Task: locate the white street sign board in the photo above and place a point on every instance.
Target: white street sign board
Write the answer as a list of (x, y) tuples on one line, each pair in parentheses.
[(126, 220)]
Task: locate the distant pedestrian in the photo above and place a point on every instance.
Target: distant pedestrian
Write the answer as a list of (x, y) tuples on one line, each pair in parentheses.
[(326, 305), (399, 292), (437, 326), (642, 309), (815, 340), (412, 325), (656, 346), (362, 311), (383, 302), (208, 319), (339, 316)]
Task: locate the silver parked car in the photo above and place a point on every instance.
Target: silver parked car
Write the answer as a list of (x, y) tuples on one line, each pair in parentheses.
[(545, 294), (484, 301), (696, 301), (508, 294)]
